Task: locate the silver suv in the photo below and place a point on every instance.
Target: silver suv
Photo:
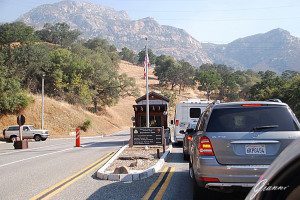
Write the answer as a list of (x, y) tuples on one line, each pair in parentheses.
[(236, 142), (29, 132)]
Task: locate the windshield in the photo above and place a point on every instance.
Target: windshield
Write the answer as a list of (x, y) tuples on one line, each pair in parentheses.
[(251, 119)]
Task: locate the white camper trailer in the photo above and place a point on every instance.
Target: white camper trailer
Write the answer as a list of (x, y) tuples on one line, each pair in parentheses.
[(185, 113)]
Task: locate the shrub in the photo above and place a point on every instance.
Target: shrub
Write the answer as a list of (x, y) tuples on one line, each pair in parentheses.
[(86, 125)]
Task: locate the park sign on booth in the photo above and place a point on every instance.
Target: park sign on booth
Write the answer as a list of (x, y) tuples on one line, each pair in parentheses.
[(146, 136)]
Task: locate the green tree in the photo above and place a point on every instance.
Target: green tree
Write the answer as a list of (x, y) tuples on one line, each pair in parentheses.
[(291, 94), (128, 55), (209, 80), (29, 63), (59, 33), (187, 74), (16, 32), (13, 98), (270, 87), (102, 46)]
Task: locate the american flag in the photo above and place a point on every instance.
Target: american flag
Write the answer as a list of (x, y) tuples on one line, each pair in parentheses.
[(146, 64)]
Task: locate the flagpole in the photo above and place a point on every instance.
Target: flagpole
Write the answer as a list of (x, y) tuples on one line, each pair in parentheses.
[(147, 85)]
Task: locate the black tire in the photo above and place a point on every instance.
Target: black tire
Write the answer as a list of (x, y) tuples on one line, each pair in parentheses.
[(37, 138), (197, 191), (13, 138), (186, 157), (44, 139)]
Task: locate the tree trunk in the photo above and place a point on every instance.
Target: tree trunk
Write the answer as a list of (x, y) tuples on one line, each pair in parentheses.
[(180, 85), (208, 94), (95, 106)]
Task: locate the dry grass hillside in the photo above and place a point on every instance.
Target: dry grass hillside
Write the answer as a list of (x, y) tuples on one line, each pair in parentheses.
[(62, 118)]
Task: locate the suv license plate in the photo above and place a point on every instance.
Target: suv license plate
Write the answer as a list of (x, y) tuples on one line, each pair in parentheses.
[(255, 149)]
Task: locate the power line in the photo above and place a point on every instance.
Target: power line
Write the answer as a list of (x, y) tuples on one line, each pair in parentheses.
[(224, 10), (233, 19)]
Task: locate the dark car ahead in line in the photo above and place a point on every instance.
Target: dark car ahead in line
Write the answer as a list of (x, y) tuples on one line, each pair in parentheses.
[(236, 142), (187, 140)]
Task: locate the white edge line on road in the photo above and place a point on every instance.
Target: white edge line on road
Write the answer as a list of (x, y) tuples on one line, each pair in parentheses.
[(88, 137), (24, 150), (25, 159)]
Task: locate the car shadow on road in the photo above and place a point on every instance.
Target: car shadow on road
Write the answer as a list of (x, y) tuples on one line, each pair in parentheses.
[(104, 144)]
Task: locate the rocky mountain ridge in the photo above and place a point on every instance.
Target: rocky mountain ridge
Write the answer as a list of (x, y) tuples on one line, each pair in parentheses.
[(115, 26), (276, 50)]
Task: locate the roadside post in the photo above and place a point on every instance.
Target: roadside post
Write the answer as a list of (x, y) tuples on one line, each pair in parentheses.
[(21, 144), (77, 143)]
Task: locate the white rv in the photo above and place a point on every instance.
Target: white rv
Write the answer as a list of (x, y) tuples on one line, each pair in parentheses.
[(185, 113)]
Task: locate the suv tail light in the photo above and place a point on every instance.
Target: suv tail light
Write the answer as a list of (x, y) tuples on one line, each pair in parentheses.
[(177, 122), (204, 147), (190, 138)]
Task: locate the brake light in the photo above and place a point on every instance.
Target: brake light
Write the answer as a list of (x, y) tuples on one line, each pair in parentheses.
[(190, 138), (251, 105), (204, 147), (209, 179), (177, 122)]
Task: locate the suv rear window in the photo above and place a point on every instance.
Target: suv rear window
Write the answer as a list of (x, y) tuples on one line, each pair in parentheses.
[(195, 112), (247, 119)]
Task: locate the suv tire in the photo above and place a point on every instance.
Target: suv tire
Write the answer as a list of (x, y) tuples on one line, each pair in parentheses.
[(186, 157), (37, 138), (13, 138)]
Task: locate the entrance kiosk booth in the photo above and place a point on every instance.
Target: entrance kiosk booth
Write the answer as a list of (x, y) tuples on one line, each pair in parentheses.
[(158, 111), (158, 118)]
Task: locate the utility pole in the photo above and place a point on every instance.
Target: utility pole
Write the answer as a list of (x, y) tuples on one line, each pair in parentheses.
[(43, 103), (147, 84)]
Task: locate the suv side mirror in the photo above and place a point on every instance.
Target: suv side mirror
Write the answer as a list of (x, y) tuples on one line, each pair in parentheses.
[(172, 121), (181, 131)]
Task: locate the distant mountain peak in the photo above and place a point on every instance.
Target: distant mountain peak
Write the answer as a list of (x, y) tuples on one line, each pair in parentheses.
[(98, 21), (279, 32)]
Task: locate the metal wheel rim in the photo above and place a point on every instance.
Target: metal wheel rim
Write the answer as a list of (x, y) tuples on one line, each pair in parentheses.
[(37, 138)]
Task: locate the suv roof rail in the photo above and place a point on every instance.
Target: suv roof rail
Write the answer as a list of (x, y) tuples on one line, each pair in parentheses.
[(216, 102), (275, 100)]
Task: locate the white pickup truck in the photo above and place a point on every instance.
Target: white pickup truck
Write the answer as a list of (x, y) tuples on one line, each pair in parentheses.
[(29, 132)]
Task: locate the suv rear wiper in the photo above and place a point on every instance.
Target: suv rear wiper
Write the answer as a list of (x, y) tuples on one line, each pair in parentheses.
[(264, 127)]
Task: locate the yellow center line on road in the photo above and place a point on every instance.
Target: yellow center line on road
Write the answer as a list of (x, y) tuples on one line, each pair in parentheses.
[(155, 184), (165, 185), (159, 187), (57, 188)]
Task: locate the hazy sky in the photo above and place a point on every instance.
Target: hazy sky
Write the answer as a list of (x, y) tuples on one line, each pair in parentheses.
[(217, 21)]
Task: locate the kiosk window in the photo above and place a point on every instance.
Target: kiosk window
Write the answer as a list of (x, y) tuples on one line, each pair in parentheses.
[(154, 121), (195, 112)]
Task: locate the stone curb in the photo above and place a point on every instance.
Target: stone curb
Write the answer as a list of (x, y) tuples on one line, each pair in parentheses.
[(134, 176)]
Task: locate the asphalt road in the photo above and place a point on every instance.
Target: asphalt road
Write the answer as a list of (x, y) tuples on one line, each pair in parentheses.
[(57, 165), (25, 173)]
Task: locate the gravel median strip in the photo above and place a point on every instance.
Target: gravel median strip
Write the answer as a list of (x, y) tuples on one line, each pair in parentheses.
[(131, 164)]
